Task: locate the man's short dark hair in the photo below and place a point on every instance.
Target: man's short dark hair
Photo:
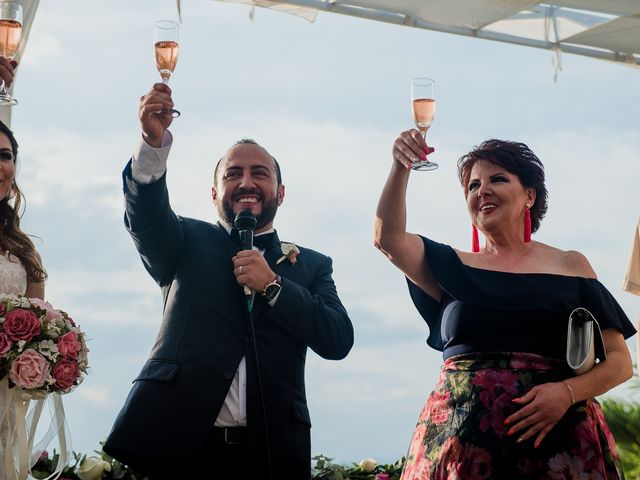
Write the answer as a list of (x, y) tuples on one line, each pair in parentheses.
[(249, 141)]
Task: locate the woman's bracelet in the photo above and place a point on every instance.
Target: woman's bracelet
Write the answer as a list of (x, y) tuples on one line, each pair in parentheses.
[(573, 396)]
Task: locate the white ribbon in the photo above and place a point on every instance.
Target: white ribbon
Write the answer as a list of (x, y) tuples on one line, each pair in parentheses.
[(18, 425)]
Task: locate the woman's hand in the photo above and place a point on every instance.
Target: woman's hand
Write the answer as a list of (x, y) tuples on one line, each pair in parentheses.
[(542, 407), (410, 147), (7, 70)]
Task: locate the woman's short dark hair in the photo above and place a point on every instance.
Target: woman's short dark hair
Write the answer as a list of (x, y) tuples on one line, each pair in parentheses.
[(518, 159)]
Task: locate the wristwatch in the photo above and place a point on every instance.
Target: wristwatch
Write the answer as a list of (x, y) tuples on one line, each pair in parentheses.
[(271, 289)]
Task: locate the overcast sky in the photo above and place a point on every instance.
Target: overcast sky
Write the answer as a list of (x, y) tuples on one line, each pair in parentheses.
[(327, 99)]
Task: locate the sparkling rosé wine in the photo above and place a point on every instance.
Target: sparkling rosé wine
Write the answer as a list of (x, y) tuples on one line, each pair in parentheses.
[(166, 57), (10, 33), (424, 109)]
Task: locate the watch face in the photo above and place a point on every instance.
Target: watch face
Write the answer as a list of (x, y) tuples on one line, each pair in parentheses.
[(271, 291)]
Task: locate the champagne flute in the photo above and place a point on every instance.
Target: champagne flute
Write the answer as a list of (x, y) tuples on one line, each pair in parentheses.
[(165, 35), (10, 35), (423, 107)]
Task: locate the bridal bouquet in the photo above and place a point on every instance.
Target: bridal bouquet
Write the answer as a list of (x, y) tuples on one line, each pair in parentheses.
[(43, 354), (42, 350)]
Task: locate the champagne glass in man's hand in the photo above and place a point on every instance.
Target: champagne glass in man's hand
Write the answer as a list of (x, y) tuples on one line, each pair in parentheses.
[(10, 35), (423, 107), (165, 35)]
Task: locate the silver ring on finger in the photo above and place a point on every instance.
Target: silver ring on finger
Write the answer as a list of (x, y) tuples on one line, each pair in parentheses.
[(241, 268)]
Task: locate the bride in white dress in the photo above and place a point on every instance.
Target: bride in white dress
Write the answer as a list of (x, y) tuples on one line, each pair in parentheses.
[(21, 270)]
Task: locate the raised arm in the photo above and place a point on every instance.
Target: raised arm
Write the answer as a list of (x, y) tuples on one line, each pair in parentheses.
[(149, 219), (404, 249)]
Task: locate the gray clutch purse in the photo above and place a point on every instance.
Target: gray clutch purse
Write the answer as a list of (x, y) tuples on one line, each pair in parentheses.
[(584, 341)]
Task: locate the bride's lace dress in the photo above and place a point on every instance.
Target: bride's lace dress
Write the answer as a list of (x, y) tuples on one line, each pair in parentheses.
[(13, 276), (13, 280)]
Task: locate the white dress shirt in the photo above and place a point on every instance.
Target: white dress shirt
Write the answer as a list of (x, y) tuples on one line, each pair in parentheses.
[(148, 165)]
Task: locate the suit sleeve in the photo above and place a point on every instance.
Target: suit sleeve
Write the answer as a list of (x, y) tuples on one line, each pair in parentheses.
[(156, 231), (315, 315)]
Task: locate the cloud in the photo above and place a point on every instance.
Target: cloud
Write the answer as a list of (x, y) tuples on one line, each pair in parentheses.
[(96, 395)]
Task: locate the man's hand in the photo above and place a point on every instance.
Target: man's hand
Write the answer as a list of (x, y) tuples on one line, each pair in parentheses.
[(252, 270), (152, 119), (543, 406), (7, 71)]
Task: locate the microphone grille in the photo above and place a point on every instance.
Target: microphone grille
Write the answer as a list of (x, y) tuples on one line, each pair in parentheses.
[(245, 220)]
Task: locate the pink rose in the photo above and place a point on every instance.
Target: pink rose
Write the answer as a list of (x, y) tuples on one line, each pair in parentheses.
[(29, 369), (65, 373), (69, 346), (382, 476), (51, 313), (21, 324), (5, 344)]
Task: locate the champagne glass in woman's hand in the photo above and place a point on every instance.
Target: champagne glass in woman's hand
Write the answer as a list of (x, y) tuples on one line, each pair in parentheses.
[(10, 35), (165, 35), (423, 106)]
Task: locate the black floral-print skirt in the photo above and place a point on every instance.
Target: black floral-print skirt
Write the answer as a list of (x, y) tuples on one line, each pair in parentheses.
[(461, 433)]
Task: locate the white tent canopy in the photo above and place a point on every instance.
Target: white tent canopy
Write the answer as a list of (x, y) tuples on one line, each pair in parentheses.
[(605, 29)]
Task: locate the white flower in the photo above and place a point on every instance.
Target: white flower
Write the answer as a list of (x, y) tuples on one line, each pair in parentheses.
[(13, 301), (49, 349), (289, 251), (21, 345), (92, 468), (367, 465), (51, 329)]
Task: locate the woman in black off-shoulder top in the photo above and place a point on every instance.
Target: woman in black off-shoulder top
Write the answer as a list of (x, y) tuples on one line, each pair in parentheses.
[(506, 405)]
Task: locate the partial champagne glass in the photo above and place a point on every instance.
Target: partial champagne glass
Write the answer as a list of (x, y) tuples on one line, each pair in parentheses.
[(10, 36), (423, 107), (165, 34)]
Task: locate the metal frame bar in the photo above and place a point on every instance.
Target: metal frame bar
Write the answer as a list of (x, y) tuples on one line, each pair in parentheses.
[(399, 19)]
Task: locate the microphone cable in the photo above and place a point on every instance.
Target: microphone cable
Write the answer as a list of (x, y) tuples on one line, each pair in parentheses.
[(246, 222)]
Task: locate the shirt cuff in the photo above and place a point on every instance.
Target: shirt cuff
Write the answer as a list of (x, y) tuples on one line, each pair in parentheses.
[(275, 299), (149, 163)]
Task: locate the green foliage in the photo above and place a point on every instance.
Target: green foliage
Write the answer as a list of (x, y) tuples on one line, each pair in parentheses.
[(623, 419), (325, 469), (116, 471)]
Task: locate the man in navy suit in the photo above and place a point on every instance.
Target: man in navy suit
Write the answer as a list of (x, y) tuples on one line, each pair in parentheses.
[(218, 398)]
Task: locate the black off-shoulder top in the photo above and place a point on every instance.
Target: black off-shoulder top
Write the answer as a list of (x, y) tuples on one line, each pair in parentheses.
[(488, 311)]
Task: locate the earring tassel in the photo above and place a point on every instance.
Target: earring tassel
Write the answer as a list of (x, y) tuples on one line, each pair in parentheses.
[(475, 241), (527, 225)]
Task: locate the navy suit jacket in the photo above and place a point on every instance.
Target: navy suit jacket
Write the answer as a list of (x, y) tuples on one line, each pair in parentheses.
[(204, 334)]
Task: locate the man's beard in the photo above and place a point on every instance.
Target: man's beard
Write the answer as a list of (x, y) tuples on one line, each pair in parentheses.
[(266, 216)]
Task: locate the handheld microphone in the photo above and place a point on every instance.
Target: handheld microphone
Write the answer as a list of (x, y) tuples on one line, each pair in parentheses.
[(245, 223)]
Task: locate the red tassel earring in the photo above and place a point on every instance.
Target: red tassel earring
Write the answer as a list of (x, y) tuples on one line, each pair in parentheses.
[(527, 225), (475, 241)]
